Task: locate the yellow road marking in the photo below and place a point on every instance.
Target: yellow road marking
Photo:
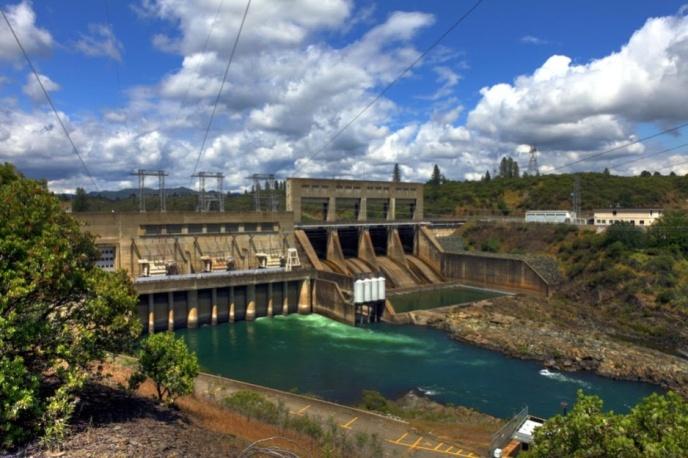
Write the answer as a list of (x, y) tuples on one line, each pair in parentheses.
[(301, 411), (449, 449), (401, 438), (349, 423), (438, 446), (415, 444)]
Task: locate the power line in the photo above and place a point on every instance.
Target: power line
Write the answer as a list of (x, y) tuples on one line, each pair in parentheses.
[(50, 101), (646, 155), (625, 145), (222, 85), (399, 77)]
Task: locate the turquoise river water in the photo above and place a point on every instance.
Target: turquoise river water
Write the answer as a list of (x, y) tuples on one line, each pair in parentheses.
[(313, 354)]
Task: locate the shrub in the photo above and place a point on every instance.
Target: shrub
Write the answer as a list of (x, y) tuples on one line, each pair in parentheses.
[(169, 363), (58, 312)]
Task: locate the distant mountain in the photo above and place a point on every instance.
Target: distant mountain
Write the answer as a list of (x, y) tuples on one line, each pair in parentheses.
[(128, 192)]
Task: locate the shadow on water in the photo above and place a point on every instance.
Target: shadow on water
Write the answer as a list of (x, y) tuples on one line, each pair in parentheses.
[(316, 355)]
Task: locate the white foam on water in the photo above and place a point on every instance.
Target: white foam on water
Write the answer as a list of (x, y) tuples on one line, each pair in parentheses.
[(559, 377)]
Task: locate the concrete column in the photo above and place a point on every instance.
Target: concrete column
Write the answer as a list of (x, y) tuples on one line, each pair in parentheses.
[(192, 304), (270, 299), (305, 296), (285, 298), (151, 314), (392, 209), (363, 209), (213, 319), (331, 209), (170, 311), (231, 304), (250, 302)]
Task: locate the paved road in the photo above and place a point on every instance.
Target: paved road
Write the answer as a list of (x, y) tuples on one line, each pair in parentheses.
[(397, 436)]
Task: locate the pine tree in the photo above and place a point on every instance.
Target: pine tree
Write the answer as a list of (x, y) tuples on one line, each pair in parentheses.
[(487, 176), (396, 174), (80, 203), (436, 178)]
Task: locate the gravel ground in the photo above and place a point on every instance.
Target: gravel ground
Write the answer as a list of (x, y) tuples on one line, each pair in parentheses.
[(108, 423)]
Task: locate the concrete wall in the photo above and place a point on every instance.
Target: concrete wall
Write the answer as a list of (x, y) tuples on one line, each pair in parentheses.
[(493, 271), (328, 191), (191, 301), (329, 301), (184, 237)]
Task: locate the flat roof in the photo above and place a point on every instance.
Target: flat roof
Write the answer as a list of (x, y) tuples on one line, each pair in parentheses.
[(344, 180), (628, 210)]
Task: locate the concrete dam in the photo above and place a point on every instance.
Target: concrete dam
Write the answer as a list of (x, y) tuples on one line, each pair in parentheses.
[(208, 267), (355, 250)]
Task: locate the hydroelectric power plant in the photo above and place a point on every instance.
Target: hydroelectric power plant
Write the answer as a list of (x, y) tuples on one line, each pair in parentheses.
[(238, 287)]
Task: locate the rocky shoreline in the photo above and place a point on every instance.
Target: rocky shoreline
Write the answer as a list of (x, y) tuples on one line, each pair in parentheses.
[(489, 324)]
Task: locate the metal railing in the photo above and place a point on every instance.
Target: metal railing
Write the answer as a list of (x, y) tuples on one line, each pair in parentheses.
[(503, 436)]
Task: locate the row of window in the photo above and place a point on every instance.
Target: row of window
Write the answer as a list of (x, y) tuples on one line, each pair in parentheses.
[(357, 187), (210, 228), (612, 221)]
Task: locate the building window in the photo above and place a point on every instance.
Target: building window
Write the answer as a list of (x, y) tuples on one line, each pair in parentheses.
[(152, 229), (250, 227), (195, 228), (174, 228), (642, 222), (213, 228), (106, 261), (231, 228)]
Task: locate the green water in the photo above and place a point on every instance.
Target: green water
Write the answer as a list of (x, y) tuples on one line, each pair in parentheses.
[(313, 354), (433, 298)]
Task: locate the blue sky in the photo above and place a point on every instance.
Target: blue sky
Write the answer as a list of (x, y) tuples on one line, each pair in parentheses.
[(136, 85)]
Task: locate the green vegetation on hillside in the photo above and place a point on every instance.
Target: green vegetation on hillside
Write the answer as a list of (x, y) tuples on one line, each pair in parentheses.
[(513, 196), (58, 312), (633, 283), (655, 428)]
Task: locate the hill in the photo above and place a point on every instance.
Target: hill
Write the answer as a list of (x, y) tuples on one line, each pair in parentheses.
[(513, 196)]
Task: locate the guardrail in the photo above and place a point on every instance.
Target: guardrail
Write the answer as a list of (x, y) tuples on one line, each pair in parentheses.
[(343, 281), (503, 436)]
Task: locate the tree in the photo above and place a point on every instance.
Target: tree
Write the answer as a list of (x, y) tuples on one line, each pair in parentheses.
[(508, 168), (168, 362), (645, 173), (396, 174), (80, 203), (606, 172), (58, 312), (656, 427), (487, 176), (436, 178), (670, 231)]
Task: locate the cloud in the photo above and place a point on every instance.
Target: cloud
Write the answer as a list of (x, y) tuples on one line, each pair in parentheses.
[(100, 42), (533, 40), (35, 40), (567, 109), (33, 89)]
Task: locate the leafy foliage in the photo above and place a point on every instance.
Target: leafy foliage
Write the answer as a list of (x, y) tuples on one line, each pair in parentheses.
[(169, 363), (656, 427), (58, 312), (513, 196)]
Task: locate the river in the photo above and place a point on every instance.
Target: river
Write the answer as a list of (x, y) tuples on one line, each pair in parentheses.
[(315, 355)]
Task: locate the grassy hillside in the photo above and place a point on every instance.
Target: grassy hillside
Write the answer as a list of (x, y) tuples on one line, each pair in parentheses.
[(630, 283), (513, 196)]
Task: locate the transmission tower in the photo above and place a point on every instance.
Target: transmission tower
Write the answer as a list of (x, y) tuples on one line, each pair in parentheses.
[(576, 198), (269, 180), (533, 168), (206, 199), (142, 174)]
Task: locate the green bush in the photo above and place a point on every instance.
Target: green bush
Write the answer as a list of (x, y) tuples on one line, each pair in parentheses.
[(167, 361), (58, 312)]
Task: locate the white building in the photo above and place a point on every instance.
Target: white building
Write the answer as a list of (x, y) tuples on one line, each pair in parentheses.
[(635, 216), (550, 216)]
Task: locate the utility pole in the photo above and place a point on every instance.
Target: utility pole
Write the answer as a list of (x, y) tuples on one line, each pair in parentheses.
[(142, 174), (533, 168), (204, 200), (576, 197), (269, 180)]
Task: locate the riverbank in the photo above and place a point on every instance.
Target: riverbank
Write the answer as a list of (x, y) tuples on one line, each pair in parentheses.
[(523, 327)]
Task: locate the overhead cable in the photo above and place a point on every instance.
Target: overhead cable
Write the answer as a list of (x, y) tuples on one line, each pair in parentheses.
[(396, 80), (222, 85), (50, 101)]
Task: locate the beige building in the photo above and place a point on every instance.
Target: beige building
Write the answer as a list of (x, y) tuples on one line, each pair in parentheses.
[(635, 216), (187, 239), (318, 200)]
